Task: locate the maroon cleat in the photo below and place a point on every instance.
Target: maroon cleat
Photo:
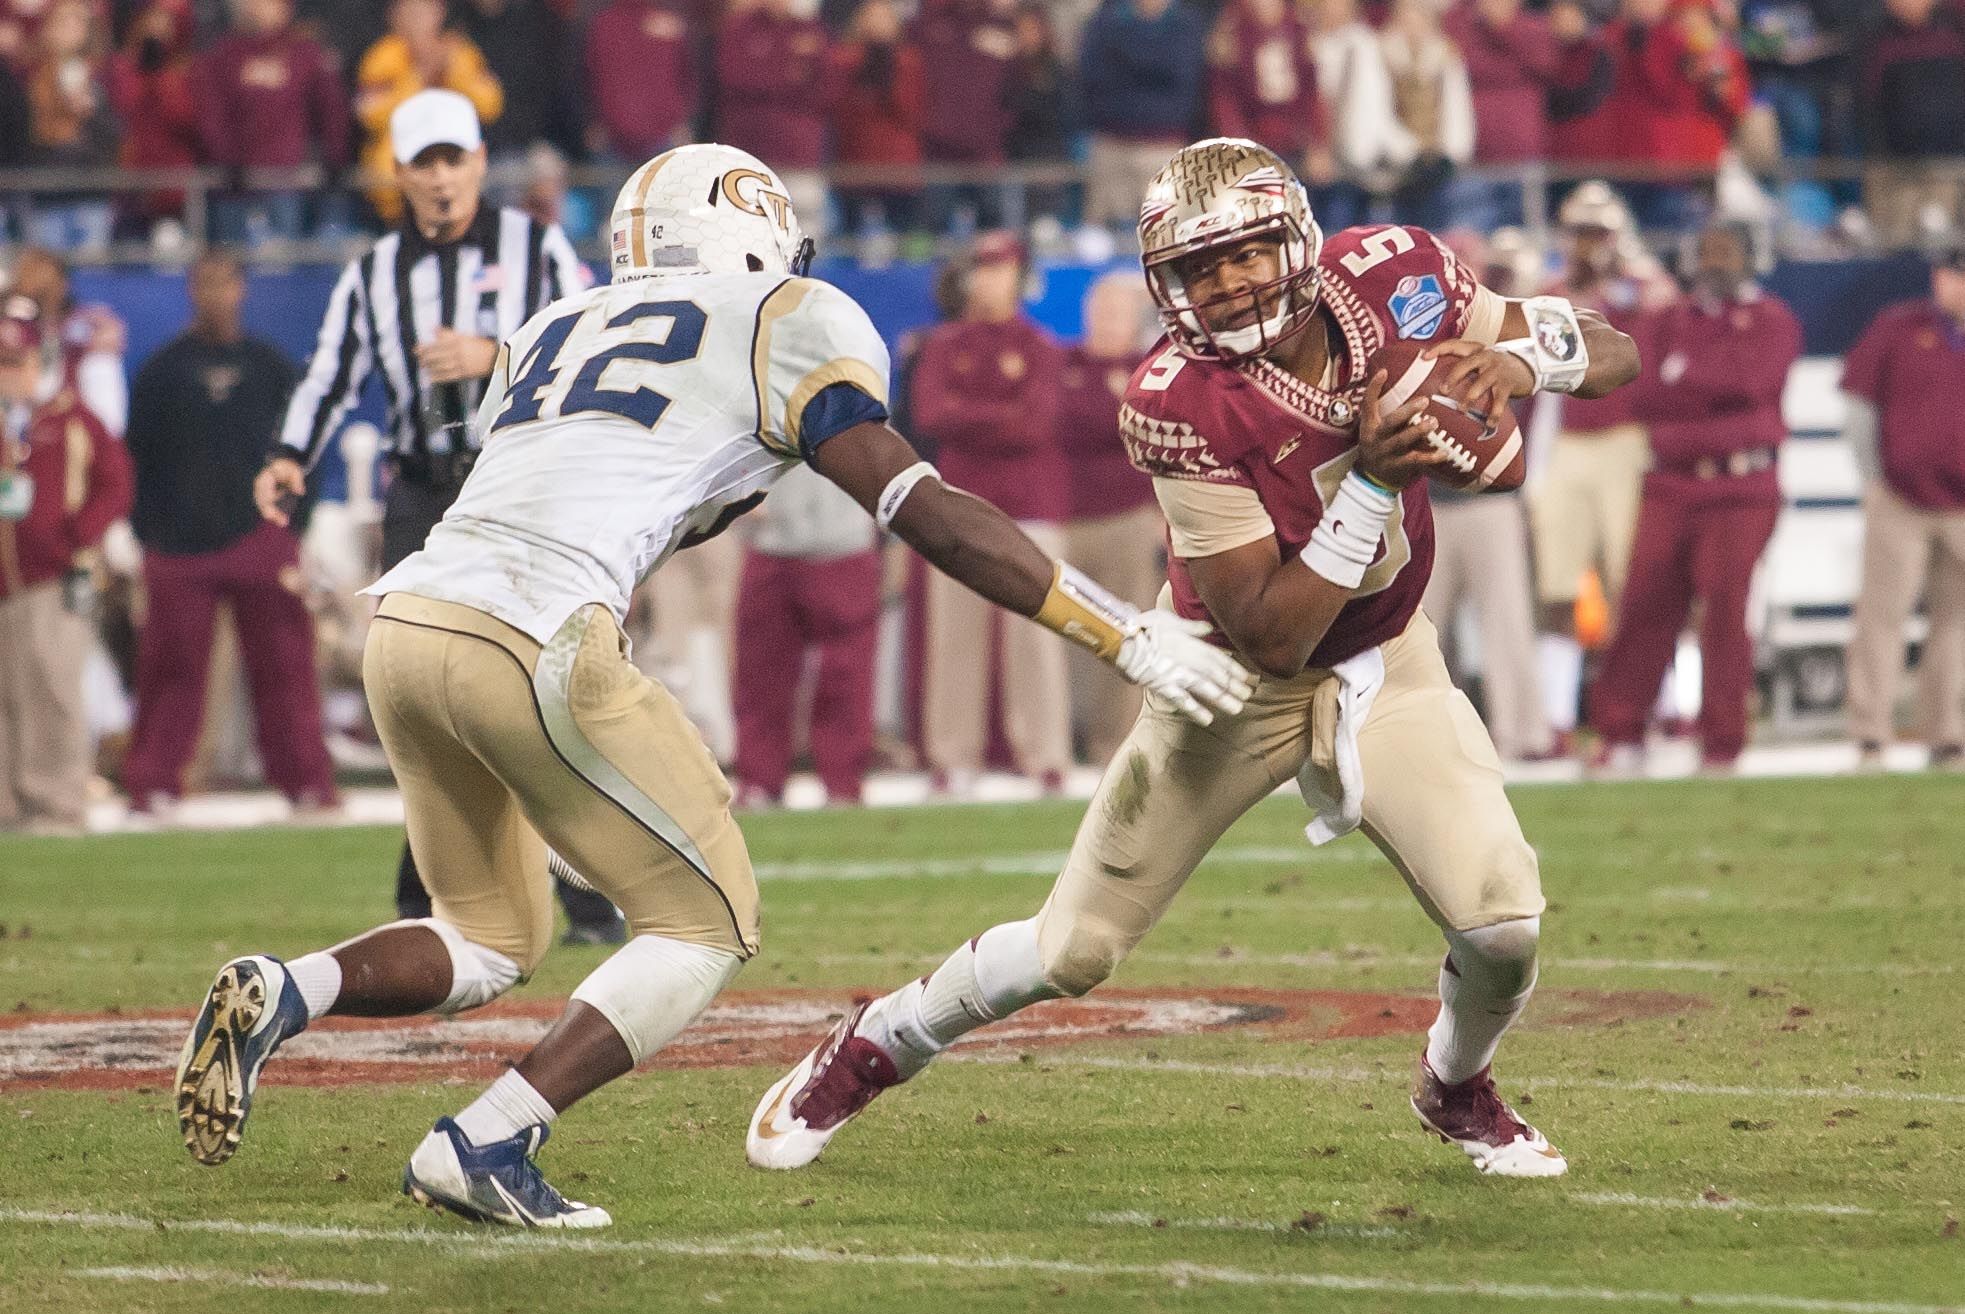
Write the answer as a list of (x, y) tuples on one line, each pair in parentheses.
[(828, 1088), (1473, 1116)]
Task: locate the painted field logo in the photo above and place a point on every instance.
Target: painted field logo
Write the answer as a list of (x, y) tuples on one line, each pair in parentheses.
[(773, 1028)]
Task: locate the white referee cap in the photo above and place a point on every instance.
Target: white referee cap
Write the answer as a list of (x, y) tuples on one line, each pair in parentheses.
[(433, 118)]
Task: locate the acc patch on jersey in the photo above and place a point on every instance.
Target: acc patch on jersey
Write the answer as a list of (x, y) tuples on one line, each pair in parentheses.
[(1418, 306)]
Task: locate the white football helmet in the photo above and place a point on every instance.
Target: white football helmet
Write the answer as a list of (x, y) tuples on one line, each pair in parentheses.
[(706, 209)]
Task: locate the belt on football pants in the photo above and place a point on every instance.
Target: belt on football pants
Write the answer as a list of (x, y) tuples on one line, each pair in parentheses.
[(1750, 460)]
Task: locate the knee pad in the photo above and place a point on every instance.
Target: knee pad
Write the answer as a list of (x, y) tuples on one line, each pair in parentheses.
[(477, 975), (652, 987), (1500, 958), (1084, 957)]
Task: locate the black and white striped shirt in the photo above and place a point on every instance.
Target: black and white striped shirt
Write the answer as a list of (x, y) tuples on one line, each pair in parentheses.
[(486, 284)]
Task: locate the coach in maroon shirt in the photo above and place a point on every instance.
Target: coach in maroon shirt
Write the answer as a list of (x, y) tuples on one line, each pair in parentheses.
[(1906, 389), (984, 393), (1712, 399)]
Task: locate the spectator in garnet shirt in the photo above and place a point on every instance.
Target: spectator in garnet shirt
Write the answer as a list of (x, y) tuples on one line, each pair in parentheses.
[(1680, 87), (876, 119), (151, 83), (1526, 70), (968, 58), (271, 98), (641, 67), (1913, 96), (774, 93), (1262, 81)]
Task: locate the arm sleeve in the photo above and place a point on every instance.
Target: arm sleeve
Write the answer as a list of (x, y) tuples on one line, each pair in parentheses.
[(1204, 519), (334, 377), (809, 337)]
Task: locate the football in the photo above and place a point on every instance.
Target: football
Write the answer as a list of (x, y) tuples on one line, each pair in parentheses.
[(1485, 450)]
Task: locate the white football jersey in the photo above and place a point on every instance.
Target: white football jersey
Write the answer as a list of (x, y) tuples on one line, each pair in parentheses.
[(624, 420)]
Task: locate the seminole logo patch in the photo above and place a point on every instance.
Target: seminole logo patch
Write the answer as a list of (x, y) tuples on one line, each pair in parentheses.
[(1418, 306)]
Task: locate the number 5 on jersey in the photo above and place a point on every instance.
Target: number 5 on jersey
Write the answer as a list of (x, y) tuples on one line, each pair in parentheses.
[(540, 369)]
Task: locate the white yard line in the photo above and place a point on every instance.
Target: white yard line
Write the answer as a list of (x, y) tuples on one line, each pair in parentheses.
[(1723, 1204), (1140, 1218), (222, 1278), (1295, 1073), (1178, 1273)]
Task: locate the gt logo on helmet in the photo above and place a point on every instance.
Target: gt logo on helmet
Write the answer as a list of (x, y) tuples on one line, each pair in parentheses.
[(757, 197)]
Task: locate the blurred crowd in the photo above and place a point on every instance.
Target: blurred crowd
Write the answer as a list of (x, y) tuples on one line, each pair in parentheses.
[(1394, 108), (144, 604)]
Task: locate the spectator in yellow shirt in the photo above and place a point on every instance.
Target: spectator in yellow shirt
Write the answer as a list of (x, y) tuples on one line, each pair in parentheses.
[(417, 54)]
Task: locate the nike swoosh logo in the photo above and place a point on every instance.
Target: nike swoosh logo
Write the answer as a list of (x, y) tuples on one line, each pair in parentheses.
[(765, 1131), (1288, 447)]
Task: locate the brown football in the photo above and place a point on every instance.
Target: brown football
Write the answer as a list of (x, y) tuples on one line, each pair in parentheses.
[(1485, 450)]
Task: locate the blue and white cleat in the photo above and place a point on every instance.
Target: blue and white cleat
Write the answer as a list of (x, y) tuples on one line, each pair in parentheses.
[(496, 1183), (250, 1010)]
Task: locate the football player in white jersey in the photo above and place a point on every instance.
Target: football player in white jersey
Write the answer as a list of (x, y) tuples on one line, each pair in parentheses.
[(623, 424)]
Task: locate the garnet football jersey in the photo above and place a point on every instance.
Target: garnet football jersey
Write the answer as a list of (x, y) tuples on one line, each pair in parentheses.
[(1254, 426)]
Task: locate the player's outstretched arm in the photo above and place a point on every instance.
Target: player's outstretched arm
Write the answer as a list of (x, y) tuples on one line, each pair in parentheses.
[(1521, 362), (1276, 610), (975, 543)]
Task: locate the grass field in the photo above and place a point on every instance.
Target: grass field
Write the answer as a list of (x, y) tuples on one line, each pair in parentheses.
[(1748, 1042)]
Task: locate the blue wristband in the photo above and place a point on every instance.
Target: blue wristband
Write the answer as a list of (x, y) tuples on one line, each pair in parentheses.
[(1374, 485)]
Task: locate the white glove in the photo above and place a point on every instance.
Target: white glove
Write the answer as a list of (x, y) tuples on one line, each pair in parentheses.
[(1168, 656)]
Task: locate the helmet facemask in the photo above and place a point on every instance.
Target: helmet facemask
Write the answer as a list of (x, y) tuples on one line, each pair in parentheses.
[(1290, 298)]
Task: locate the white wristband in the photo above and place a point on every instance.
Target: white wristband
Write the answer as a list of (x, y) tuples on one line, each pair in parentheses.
[(897, 490), (1343, 544), (1554, 350)]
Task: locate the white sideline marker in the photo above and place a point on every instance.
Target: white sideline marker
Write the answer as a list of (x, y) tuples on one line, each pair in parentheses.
[(224, 1278), (1177, 1272), (1625, 1200)]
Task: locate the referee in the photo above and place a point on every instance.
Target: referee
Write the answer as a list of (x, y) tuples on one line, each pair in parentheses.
[(425, 309)]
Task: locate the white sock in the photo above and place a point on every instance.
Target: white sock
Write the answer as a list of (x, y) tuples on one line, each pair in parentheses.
[(1559, 661), (1485, 983), (506, 1109), (984, 981), (317, 976)]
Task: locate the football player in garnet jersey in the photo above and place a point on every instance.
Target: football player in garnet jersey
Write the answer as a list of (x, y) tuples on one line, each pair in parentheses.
[(1299, 528)]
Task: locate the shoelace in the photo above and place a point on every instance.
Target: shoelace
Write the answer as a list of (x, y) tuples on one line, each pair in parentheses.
[(1491, 1109)]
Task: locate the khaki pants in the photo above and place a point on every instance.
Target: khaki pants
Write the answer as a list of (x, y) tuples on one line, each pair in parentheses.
[(1433, 804), (1584, 509), (1481, 560), (44, 733), (1897, 193), (955, 680), (1907, 552), (1118, 172), (501, 747), (1121, 552)]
